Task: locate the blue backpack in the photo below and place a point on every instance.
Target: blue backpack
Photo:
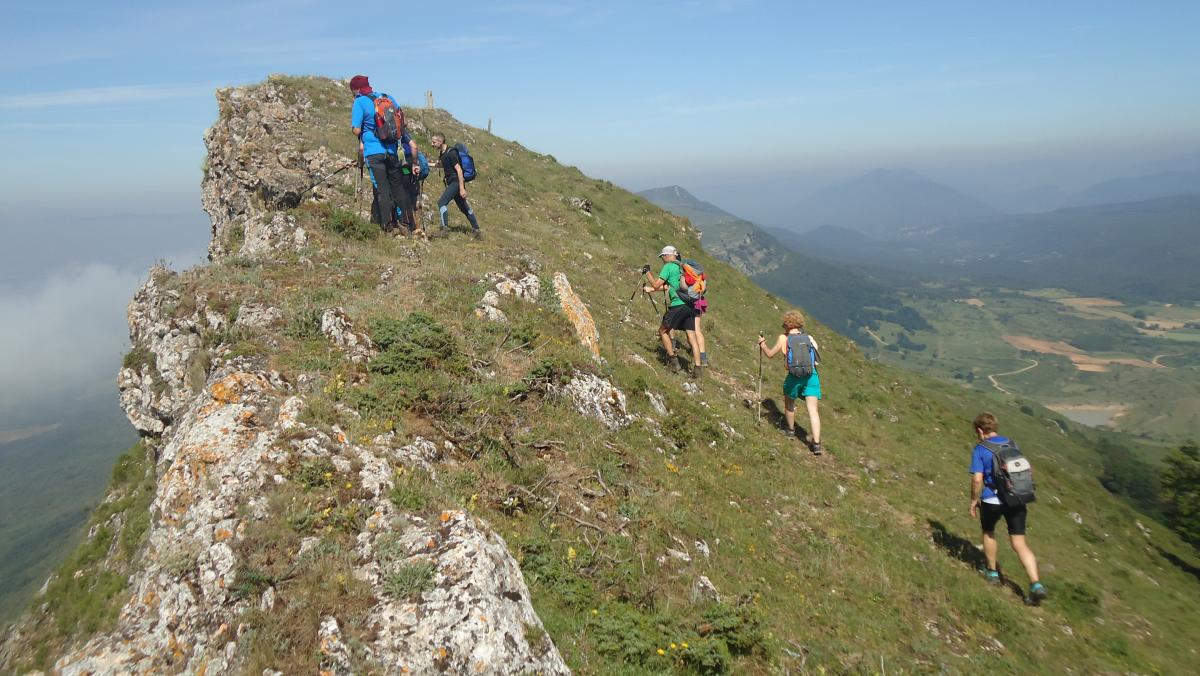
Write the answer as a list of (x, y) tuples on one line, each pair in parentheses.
[(467, 162), (424, 164), (801, 362)]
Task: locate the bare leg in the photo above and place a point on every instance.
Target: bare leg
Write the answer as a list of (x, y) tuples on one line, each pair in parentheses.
[(990, 549), (694, 340), (814, 418), (665, 334), (700, 336), (789, 412), (1028, 560)]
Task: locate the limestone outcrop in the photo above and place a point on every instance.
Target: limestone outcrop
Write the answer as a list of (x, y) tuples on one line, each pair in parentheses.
[(226, 432), (256, 168)]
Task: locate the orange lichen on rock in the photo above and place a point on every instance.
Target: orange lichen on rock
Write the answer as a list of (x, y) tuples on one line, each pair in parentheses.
[(576, 311), (232, 388)]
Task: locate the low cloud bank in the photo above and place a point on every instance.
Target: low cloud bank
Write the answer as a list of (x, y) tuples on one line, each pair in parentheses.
[(67, 333)]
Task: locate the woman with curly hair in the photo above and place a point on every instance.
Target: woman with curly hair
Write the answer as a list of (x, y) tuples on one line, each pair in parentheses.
[(794, 342)]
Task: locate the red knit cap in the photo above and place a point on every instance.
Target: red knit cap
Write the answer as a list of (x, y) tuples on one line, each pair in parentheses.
[(359, 82)]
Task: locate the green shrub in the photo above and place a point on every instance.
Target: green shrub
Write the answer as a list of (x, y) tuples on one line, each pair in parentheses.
[(707, 656), (349, 225), (740, 627), (137, 358), (415, 343)]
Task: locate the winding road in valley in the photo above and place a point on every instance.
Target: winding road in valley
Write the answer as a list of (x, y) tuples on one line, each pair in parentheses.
[(992, 378), (1160, 356)]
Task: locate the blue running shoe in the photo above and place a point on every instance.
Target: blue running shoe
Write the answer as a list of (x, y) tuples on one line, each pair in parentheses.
[(1037, 594)]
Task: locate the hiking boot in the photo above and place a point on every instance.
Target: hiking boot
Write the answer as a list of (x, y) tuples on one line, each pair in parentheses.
[(1037, 594), (477, 234), (992, 577), (673, 364), (816, 448), (704, 358), (697, 371)]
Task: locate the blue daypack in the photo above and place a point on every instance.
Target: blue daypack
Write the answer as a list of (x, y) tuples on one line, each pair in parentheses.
[(466, 161), (423, 162)]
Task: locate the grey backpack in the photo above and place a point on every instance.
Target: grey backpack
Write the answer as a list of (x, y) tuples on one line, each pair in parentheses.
[(1011, 473), (802, 357)]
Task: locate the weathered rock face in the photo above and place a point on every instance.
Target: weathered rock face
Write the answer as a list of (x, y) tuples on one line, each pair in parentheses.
[(597, 398), (225, 430), (527, 288), (154, 387), (337, 328), (576, 311), (255, 168)]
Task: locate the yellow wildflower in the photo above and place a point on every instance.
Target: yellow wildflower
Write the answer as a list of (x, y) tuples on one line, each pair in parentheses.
[(571, 554), (673, 646), (661, 651)]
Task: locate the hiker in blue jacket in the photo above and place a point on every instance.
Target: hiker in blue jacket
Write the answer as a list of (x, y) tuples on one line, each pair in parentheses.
[(988, 507), (381, 157)]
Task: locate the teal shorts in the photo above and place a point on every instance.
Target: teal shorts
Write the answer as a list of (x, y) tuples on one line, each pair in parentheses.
[(799, 388)]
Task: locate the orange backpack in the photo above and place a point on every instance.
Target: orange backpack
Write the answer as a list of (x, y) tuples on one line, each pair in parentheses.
[(692, 282), (389, 119)]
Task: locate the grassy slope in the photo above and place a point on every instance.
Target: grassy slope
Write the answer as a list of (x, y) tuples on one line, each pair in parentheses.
[(846, 562), (47, 485)]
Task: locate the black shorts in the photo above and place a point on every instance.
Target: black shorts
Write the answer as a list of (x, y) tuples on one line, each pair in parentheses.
[(680, 317), (1014, 517)]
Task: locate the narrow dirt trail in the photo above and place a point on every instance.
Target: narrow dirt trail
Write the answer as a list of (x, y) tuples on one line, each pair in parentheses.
[(992, 377), (1160, 356)]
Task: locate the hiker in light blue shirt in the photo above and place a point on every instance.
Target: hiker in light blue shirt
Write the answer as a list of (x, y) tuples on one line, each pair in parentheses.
[(381, 158)]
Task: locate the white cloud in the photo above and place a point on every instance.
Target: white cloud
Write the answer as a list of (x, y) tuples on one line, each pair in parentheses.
[(68, 332), (99, 96)]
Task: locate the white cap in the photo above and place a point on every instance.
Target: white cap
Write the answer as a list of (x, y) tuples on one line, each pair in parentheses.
[(668, 250)]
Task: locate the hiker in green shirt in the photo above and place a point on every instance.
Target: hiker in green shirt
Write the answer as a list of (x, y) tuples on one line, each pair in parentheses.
[(679, 314)]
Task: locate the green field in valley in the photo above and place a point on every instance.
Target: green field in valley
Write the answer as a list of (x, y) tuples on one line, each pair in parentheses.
[(1134, 369)]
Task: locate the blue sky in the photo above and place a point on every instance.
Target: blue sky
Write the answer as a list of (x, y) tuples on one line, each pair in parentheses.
[(113, 97), (748, 103)]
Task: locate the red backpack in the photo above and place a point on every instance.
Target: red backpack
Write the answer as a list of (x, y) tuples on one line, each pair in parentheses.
[(389, 119)]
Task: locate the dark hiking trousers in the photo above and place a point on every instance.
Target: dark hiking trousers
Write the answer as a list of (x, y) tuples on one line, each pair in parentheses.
[(451, 193), (388, 180)]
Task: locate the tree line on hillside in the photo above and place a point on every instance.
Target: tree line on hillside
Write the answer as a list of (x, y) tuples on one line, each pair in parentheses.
[(1172, 494)]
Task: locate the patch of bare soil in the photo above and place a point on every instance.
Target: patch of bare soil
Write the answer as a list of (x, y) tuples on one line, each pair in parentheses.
[(1082, 360)]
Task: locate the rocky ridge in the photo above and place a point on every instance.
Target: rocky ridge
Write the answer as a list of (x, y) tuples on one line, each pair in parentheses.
[(223, 430)]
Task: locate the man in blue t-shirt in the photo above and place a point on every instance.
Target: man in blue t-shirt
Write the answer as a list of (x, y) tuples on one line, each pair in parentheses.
[(987, 505), (381, 157)]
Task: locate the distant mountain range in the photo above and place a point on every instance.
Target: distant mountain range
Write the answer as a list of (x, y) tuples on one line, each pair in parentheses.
[(887, 203), (893, 204), (846, 299), (1146, 249), (1138, 188)]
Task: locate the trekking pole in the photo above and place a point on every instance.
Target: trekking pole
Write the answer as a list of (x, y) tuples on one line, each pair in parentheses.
[(326, 178), (758, 416), (358, 188), (652, 301)]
